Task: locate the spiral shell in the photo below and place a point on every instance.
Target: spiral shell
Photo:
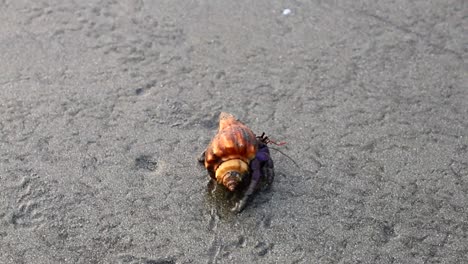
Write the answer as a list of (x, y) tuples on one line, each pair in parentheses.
[(229, 153)]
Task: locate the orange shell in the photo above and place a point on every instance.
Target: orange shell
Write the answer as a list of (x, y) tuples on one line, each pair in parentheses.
[(234, 140)]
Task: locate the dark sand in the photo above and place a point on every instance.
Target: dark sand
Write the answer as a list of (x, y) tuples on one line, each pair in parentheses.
[(105, 106)]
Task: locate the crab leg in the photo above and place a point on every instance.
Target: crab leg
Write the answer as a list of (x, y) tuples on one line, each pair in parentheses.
[(267, 165), (269, 172), (262, 156)]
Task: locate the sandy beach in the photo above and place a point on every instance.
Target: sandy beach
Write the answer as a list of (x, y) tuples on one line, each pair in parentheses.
[(106, 105)]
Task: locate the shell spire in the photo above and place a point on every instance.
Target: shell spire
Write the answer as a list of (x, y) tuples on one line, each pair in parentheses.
[(226, 120)]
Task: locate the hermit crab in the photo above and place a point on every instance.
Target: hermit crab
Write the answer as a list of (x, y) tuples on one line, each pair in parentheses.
[(238, 159)]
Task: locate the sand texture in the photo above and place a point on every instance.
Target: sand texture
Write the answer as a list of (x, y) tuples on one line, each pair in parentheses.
[(105, 106)]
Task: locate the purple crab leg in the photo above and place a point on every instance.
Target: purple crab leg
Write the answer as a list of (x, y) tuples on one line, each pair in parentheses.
[(263, 155), (267, 166), (269, 172)]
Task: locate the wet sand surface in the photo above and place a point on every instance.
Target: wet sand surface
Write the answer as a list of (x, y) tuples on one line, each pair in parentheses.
[(105, 106)]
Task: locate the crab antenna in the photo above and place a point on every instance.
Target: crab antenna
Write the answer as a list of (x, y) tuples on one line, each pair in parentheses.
[(266, 140), (291, 159), (277, 143)]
